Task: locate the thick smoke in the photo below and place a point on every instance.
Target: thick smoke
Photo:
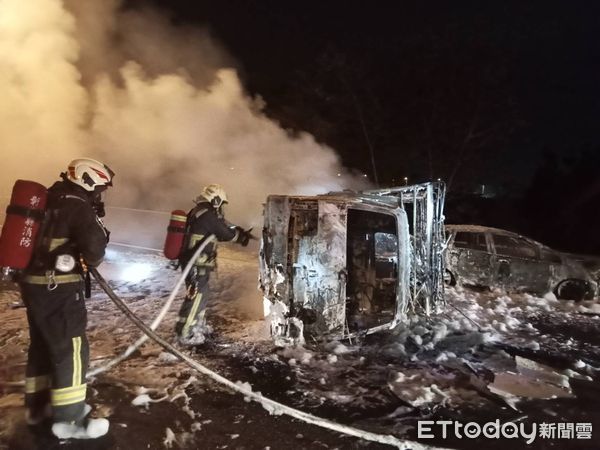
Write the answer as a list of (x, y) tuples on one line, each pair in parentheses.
[(43, 104), (163, 106)]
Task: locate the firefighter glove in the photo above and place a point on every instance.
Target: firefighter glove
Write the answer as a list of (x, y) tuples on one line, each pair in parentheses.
[(243, 236)]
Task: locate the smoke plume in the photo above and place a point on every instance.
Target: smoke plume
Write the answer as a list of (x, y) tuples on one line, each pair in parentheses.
[(163, 106)]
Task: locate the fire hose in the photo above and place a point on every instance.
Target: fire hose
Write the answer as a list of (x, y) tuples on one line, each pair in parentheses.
[(270, 405), (155, 323), (159, 317)]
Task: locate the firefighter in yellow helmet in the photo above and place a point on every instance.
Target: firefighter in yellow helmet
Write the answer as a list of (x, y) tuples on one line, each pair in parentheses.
[(204, 219), (52, 289)]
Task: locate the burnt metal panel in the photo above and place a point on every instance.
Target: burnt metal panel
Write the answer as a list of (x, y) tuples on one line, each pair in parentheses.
[(319, 283), (273, 254), (303, 260), (424, 204), (469, 255)]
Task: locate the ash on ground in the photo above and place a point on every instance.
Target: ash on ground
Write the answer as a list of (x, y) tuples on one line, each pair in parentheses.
[(488, 356)]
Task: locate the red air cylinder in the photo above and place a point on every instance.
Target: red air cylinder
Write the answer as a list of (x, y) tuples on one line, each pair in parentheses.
[(175, 234), (24, 215)]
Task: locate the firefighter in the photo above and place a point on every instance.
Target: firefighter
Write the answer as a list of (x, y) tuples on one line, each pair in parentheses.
[(73, 239), (204, 219)]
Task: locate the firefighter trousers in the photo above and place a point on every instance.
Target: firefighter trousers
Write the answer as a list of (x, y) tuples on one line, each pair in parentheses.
[(193, 309), (58, 354)]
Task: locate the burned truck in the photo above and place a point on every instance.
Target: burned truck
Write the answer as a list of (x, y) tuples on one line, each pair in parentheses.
[(345, 264)]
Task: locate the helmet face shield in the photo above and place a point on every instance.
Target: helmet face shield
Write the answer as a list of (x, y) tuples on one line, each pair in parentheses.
[(216, 202), (100, 191), (111, 175)]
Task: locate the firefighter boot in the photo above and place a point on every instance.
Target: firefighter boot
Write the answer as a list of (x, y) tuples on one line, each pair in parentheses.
[(35, 416), (198, 333), (192, 339), (85, 429)]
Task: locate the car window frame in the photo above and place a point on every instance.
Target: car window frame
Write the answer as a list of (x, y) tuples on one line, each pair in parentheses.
[(485, 236), (550, 251), (517, 237)]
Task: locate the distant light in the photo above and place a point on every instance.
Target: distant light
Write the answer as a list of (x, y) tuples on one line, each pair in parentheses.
[(439, 179), (365, 175), (136, 272), (232, 168), (339, 174), (110, 254)]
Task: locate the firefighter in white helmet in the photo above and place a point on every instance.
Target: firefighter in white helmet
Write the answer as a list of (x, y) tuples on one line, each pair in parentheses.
[(73, 237), (204, 219)]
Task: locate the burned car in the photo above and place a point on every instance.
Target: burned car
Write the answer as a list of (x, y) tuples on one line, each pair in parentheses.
[(489, 257), (346, 263)]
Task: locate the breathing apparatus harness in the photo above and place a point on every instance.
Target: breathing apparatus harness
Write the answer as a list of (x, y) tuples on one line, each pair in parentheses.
[(63, 258)]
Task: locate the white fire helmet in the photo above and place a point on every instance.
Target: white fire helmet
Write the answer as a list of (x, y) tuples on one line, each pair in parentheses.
[(90, 174), (214, 194)]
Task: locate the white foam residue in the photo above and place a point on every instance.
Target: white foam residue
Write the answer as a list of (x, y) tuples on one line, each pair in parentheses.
[(169, 439), (531, 345), (442, 357), (245, 386), (142, 400), (189, 411), (579, 364), (593, 308), (341, 349), (440, 332), (416, 395), (167, 358), (145, 400)]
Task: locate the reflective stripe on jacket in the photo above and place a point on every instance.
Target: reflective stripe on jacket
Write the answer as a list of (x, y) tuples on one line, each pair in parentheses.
[(48, 279)]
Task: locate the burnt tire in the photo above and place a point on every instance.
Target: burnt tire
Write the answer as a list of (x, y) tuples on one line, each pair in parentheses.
[(572, 289), (449, 279)]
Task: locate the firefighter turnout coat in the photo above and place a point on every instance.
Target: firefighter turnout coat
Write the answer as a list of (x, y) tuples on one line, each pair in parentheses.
[(58, 352), (202, 221)]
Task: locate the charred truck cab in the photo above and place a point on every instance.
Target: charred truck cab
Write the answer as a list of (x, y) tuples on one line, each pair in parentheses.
[(351, 263)]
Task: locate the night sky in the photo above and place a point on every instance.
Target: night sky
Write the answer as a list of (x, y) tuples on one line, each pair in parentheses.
[(493, 85)]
